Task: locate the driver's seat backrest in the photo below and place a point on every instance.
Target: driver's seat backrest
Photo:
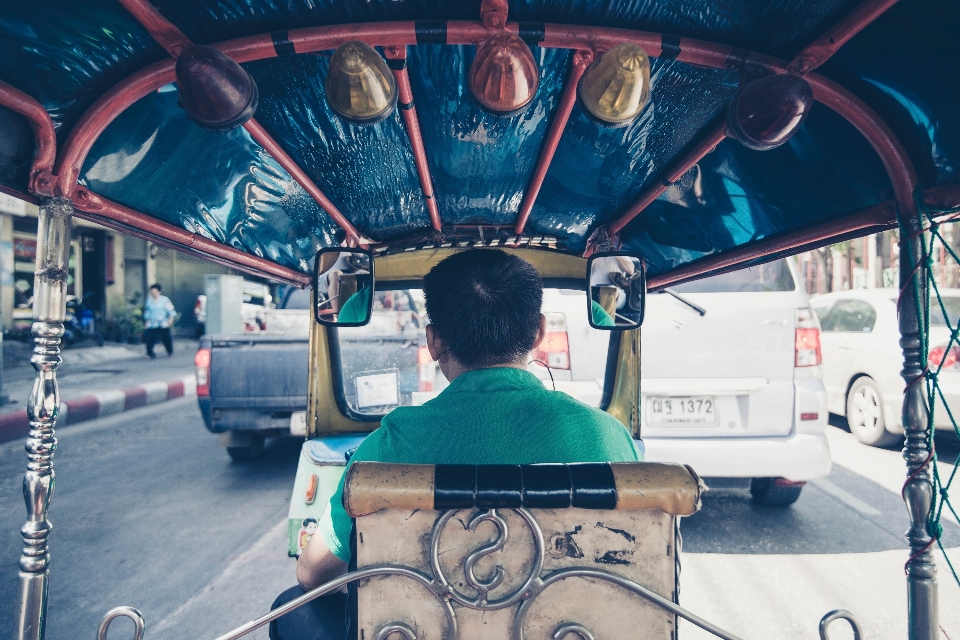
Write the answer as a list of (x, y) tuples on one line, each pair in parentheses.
[(533, 551)]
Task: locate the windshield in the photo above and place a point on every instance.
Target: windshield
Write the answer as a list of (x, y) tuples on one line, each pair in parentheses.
[(386, 364), (773, 276)]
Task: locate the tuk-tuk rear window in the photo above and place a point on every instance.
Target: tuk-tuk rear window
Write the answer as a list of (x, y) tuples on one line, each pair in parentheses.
[(773, 276), (386, 364)]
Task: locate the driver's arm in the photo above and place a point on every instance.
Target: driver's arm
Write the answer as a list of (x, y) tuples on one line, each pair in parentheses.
[(317, 565)]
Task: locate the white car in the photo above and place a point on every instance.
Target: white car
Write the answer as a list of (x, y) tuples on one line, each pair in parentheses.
[(731, 380), (862, 360)]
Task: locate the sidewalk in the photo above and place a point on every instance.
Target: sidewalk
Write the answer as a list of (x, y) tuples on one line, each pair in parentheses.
[(97, 381)]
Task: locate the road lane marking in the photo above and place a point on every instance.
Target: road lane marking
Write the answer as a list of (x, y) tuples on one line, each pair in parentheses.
[(881, 466), (848, 499)]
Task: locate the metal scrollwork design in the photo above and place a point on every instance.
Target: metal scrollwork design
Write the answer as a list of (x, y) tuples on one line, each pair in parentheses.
[(840, 614), (396, 627), (121, 612), (468, 566), (626, 583), (443, 586), (567, 628)]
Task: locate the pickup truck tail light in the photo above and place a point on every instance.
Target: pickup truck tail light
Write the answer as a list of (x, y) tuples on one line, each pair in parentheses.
[(807, 351), (949, 357), (555, 348), (428, 370), (202, 360)]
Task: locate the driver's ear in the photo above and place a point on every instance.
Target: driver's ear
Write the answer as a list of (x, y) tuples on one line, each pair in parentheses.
[(434, 344), (541, 330)]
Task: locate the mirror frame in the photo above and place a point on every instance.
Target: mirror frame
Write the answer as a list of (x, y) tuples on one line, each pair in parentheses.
[(643, 280), (316, 279)]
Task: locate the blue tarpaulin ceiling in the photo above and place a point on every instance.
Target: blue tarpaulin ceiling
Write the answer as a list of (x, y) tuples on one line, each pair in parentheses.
[(224, 186)]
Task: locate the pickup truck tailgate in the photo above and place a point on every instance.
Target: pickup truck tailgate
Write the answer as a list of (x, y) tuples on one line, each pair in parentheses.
[(268, 369)]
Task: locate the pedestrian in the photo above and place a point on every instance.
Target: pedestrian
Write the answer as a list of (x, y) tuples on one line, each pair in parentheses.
[(158, 315)]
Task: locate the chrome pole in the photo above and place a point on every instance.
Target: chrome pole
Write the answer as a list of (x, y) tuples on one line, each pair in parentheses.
[(922, 602), (43, 405)]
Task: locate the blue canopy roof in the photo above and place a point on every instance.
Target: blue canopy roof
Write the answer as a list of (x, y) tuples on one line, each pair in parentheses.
[(224, 186)]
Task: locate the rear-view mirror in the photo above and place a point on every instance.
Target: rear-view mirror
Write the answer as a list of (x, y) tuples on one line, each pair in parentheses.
[(617, 289), (343, 287)]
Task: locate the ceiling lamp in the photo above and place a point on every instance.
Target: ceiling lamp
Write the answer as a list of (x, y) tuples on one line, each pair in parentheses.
[(216, 92), (504, 76), (360, 86), (616, 88), (767, 112)]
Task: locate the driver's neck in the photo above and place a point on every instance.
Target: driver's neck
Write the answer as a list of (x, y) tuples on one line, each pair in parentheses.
[(453, 369)]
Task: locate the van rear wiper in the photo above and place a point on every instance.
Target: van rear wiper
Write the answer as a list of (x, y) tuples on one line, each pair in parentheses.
[(690, 304)]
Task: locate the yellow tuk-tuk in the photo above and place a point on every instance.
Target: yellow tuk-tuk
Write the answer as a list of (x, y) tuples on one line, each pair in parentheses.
[(363, 141)]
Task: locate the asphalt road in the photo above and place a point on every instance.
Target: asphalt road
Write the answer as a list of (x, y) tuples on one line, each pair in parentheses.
[(149, 512)]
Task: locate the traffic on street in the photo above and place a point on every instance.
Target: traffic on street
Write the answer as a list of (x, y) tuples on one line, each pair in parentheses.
[(198, 542)]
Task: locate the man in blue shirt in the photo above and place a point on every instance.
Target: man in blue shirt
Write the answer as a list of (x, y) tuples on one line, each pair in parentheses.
[(158, 315)]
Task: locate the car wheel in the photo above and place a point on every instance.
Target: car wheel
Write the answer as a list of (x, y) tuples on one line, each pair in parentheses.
[(774, 492), (865, 414), (249, 451)]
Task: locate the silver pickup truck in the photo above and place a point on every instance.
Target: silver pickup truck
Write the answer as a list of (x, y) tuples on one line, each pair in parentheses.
[(251, 385)]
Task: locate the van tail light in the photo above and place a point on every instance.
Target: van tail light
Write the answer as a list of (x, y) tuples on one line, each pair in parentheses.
[(555, 348), (949, 357), (428, 369), (202, 360), (806, 349)]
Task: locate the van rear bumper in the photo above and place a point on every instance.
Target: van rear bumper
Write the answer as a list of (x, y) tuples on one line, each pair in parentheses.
[(801, 456)]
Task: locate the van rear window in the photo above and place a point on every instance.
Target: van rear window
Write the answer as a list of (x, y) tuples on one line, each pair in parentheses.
[(773, 276)]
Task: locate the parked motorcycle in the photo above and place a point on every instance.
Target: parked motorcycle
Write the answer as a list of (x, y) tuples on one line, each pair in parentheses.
[(80, 322)]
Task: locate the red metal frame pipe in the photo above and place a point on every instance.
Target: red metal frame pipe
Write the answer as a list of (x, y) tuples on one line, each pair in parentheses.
[(823, 48), (877, 132), (409, 114), (160, 29), (44, 135), (265, 140), (174, 41), (581, 60), (112, 214), (705, 146), (872, 220)]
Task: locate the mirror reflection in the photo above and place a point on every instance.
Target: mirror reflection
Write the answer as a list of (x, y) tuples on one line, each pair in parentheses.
[(617, 291), (344, 287)]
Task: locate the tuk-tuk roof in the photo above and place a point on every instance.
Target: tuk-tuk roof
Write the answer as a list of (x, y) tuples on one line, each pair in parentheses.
[(895, 83)]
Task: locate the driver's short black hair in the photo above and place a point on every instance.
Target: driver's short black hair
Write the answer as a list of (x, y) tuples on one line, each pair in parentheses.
[(484, 304)]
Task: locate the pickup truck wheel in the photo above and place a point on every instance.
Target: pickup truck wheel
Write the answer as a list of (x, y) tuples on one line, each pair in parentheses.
[(248, 451), (767, 491), (865, 414)]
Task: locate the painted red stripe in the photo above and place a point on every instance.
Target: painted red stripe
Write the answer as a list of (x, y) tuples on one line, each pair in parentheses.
[(136, 397), (14, 425), (175, 390), (82, 409)]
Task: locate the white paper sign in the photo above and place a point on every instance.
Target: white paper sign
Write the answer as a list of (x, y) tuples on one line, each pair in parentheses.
[(9, 204), (378, 390)]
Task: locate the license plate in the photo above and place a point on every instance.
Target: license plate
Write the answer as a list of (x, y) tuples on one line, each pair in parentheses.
[(298, 423), (681, 409)]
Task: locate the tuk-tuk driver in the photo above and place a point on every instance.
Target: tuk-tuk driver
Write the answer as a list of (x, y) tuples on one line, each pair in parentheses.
[(484, 312)]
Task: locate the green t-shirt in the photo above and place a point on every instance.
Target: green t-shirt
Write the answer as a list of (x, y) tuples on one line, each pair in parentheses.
[(356, 308), (600, 316), (500, 415)]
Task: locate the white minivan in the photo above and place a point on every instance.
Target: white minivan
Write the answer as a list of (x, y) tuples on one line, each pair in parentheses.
[(731, 379)]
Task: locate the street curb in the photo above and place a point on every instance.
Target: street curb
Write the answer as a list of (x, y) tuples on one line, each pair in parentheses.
[(100, 404)]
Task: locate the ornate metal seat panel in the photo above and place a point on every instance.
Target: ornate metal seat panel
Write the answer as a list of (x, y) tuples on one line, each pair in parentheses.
[(501, 567)]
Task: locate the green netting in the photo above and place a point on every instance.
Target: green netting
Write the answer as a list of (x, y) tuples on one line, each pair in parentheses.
[(931, 220)]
